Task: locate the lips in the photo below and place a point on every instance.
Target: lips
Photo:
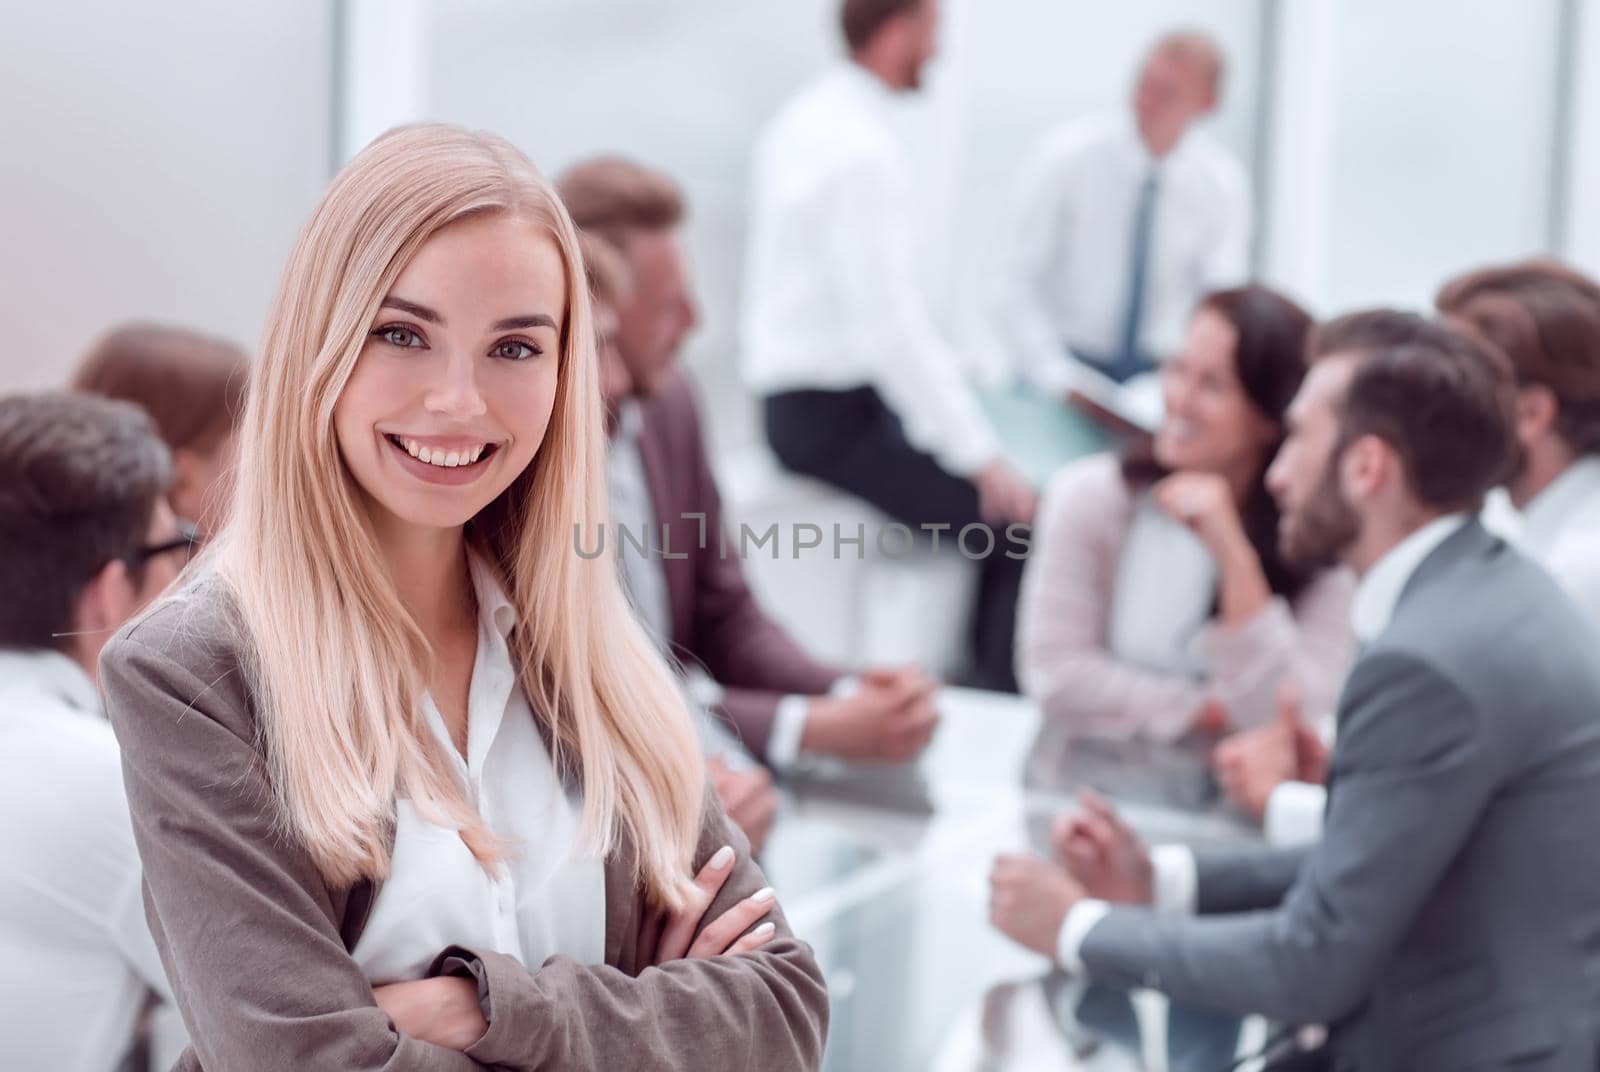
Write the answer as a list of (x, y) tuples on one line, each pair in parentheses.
[(456, 463), (443, 457)]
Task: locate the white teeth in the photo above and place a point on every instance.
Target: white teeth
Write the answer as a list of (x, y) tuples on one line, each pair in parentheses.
[(439, 456)]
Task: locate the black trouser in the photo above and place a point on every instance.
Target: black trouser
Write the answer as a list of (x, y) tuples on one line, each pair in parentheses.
[(852, 440)]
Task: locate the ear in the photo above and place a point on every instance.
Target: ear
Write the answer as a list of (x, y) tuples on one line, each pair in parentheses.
[(1537, 409), (103, 604), (1368, 466)]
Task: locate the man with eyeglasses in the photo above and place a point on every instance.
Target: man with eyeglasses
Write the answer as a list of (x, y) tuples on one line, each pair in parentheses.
[(86, 541)]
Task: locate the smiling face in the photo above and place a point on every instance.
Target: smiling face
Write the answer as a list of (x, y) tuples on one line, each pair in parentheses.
[(452, 393), (1210, 424)]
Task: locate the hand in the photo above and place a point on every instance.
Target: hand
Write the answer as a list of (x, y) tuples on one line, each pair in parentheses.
[(1029, 899), (1003, 495), (730, 933), (442, 1010), (1250, 765), (1213, 720), (1311, 754), (1102, 853), (890, 718), (1204, 503), (748, 798)]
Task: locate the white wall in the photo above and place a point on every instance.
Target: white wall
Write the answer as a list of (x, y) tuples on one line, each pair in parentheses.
[(157, 162), (160, 166)]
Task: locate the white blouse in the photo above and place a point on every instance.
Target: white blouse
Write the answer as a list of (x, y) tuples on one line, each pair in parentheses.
[(548, 898), (1166, 590)]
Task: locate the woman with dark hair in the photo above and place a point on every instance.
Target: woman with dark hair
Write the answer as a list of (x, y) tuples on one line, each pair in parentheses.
[(1156, 603)]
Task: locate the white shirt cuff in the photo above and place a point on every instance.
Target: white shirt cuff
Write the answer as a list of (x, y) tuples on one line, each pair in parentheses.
[(1080, 920), (1294, 814), (788, 725), (1175, 880)]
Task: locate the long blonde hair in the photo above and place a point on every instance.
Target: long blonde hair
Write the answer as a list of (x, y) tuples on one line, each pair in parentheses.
[(336, 662)]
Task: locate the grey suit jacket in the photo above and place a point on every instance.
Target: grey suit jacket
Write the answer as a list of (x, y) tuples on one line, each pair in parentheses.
[(1450, 917)]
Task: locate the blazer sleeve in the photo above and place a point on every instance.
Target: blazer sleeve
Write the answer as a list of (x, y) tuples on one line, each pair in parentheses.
[(730, 635), (1309, 641), (1243, 881), (244, 923), (765, 1009), (1414, 770), (1063, 656)]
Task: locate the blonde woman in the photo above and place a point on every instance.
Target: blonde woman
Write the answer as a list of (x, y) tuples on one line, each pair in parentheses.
[(411, 788)]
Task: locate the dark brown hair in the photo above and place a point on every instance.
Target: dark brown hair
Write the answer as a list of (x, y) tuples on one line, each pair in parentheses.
[(1546, 317), (1367, 331), (1270, 362), (192, 385), (1444, 404), (862, 19), (79, 480), (613, 198)]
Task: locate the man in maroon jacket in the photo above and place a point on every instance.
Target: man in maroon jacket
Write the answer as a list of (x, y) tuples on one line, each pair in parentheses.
[(777, 699)]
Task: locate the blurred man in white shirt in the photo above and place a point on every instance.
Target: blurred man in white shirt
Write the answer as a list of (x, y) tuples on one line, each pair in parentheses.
[(86, 540), (1124, 222), (860, 389)]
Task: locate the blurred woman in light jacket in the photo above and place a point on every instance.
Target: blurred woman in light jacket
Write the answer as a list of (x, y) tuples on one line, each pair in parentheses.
[(1155, 603)]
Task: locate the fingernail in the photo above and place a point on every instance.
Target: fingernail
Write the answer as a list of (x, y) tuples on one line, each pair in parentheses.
[(764, 895), (763, 931), (722, 858)]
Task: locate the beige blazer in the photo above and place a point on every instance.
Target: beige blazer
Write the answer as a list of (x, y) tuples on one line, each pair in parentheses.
[(257, 946), (1064, 614)]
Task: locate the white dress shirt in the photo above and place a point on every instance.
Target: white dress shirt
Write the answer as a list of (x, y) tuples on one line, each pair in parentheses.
[(1064, 286), (549, 897), (1165, 590), (76, 958), (831, 300), (1371, 611), (645, 578), (1561, 530)]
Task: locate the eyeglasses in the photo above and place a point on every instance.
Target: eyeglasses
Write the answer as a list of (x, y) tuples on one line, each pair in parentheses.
[(184, 541)]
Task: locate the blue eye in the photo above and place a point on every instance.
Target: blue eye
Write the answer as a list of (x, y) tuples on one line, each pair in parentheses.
[(399, 335), (515, 350)]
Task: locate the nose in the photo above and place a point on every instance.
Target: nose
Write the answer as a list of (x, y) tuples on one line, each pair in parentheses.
[(1175, 393), (455, 393), (1276, 475)]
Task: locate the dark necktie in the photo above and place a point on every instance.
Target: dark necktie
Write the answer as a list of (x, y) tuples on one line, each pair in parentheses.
[(1144, 213)]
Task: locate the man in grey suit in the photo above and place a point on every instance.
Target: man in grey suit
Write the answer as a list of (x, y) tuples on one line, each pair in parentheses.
[(1450, 917)]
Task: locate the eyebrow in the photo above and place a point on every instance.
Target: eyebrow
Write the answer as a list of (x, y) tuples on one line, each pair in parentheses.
[(533, 320), (421, 312), (510, 323)]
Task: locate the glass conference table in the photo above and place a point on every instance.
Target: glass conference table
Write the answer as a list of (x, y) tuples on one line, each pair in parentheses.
[(885, 873)]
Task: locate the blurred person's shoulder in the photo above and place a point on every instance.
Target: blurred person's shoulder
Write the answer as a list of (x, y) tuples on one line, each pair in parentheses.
[(192, 639), (826, 127), (1092, 485), (1206, 157)]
